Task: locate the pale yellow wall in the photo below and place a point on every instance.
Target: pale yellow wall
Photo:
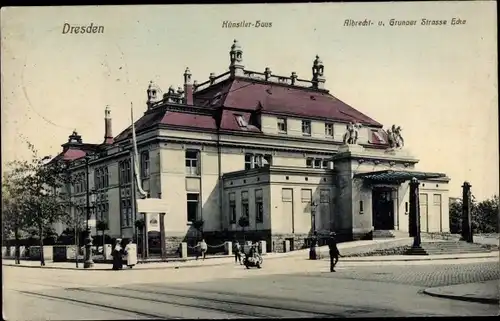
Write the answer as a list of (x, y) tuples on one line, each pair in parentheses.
[(231, 161), (294, 129), (210, 191), (249, 184), (268, 124), (362, 222), (402, 215), (299, 221), (173, 190), (437, 219), (289, 161)]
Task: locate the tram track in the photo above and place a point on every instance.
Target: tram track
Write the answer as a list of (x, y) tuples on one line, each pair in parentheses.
[(96, 304)]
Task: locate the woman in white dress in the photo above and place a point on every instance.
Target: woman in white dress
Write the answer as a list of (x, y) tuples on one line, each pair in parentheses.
[(131, 254)]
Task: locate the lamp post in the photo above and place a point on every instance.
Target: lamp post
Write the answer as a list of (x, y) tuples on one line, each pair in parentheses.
[(88, 240), (313, 250)]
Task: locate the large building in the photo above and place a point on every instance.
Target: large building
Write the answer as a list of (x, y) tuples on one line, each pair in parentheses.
[(282, 151)]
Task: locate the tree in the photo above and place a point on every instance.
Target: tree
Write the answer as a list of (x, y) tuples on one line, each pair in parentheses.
[(484, 215), (40, 191), (244, 222), (13, 220), (198, 225)]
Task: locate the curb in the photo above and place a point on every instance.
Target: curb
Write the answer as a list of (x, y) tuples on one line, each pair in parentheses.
[(423, 258), (107, 269), (461, 298)]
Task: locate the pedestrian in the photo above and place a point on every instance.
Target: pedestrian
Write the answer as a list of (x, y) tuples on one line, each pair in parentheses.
[(131, 254), (237, 252), (334, 251), (117, 255), (201, 249)]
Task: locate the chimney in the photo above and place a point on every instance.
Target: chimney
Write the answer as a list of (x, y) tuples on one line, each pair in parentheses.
[(108, 130), (188, 88)]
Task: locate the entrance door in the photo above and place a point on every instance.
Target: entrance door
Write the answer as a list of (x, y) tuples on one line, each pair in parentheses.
[(383, 209)]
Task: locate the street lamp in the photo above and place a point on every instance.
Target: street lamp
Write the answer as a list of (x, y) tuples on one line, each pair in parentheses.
[(313, 251), (314, 206), (88, 240)]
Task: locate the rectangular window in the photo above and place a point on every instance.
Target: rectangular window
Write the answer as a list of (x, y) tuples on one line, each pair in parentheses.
[(97, 178), (126, 210), (306, 127), (127, 171), (268, 160), (306, 195), (193, 201), (329, 130), (106, 176), (232, 208), (436, 199), (259, 206), (249, 161), (324, 164), (287, 195), (324, 196), (129, 217), (245, 211), (310, 162), (145, 164), (406, 207), (192, 166), (282, 125), (317, 163), (361, 208), (105, 213), (241, 121), (306, 198)]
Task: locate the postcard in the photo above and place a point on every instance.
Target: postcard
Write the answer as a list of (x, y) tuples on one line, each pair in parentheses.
[(215, 161)]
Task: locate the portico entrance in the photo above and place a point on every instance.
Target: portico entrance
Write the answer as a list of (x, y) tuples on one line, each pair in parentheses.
[(382, 208)]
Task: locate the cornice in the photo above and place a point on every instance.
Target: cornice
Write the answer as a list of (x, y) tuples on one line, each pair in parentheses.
[(269, 170)]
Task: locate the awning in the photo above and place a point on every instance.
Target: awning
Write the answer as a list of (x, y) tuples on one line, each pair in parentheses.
[(392, 176)]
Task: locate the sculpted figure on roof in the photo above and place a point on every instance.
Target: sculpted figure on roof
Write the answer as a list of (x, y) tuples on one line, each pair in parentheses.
[(351, 135), (395, 137)]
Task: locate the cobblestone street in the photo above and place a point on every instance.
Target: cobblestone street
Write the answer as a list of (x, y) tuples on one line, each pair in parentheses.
[(285, 287)]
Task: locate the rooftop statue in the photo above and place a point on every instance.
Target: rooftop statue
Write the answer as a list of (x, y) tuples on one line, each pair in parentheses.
[(351, 135), (395, 137)]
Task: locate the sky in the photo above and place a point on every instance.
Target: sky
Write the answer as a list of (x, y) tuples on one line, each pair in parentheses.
[(438, 82)]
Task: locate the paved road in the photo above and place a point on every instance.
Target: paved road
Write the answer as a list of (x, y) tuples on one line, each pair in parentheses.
[(288, 287)]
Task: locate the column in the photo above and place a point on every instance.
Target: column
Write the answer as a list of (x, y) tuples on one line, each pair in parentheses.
[(415, 212), (395, 207), (162, 236), (466, 213)]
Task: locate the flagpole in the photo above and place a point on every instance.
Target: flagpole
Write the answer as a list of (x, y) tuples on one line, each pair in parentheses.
[(134, 183)]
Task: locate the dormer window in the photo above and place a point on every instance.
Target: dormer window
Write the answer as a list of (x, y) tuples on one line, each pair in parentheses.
[(306, 127), (241, 121), (329, 130), (281, 125)]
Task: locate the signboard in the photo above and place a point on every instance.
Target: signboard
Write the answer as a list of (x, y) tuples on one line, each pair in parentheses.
[(152, 205), (153, 222)]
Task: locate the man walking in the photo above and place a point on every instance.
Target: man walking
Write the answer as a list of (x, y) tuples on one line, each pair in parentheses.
[(237, 252), (334, 251)]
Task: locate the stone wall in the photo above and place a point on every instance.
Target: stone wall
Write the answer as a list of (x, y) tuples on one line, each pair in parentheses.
[(277, 242)]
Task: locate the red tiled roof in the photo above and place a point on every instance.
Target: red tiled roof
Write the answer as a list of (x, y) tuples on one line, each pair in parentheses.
[(189, 119), (274, 98), (229, 121), (249, 96)]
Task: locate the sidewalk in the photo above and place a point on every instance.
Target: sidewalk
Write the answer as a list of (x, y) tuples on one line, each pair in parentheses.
[(482, 292), (419, 257), (173, 263)]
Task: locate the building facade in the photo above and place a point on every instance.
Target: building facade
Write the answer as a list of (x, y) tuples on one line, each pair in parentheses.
[(280, 150)]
